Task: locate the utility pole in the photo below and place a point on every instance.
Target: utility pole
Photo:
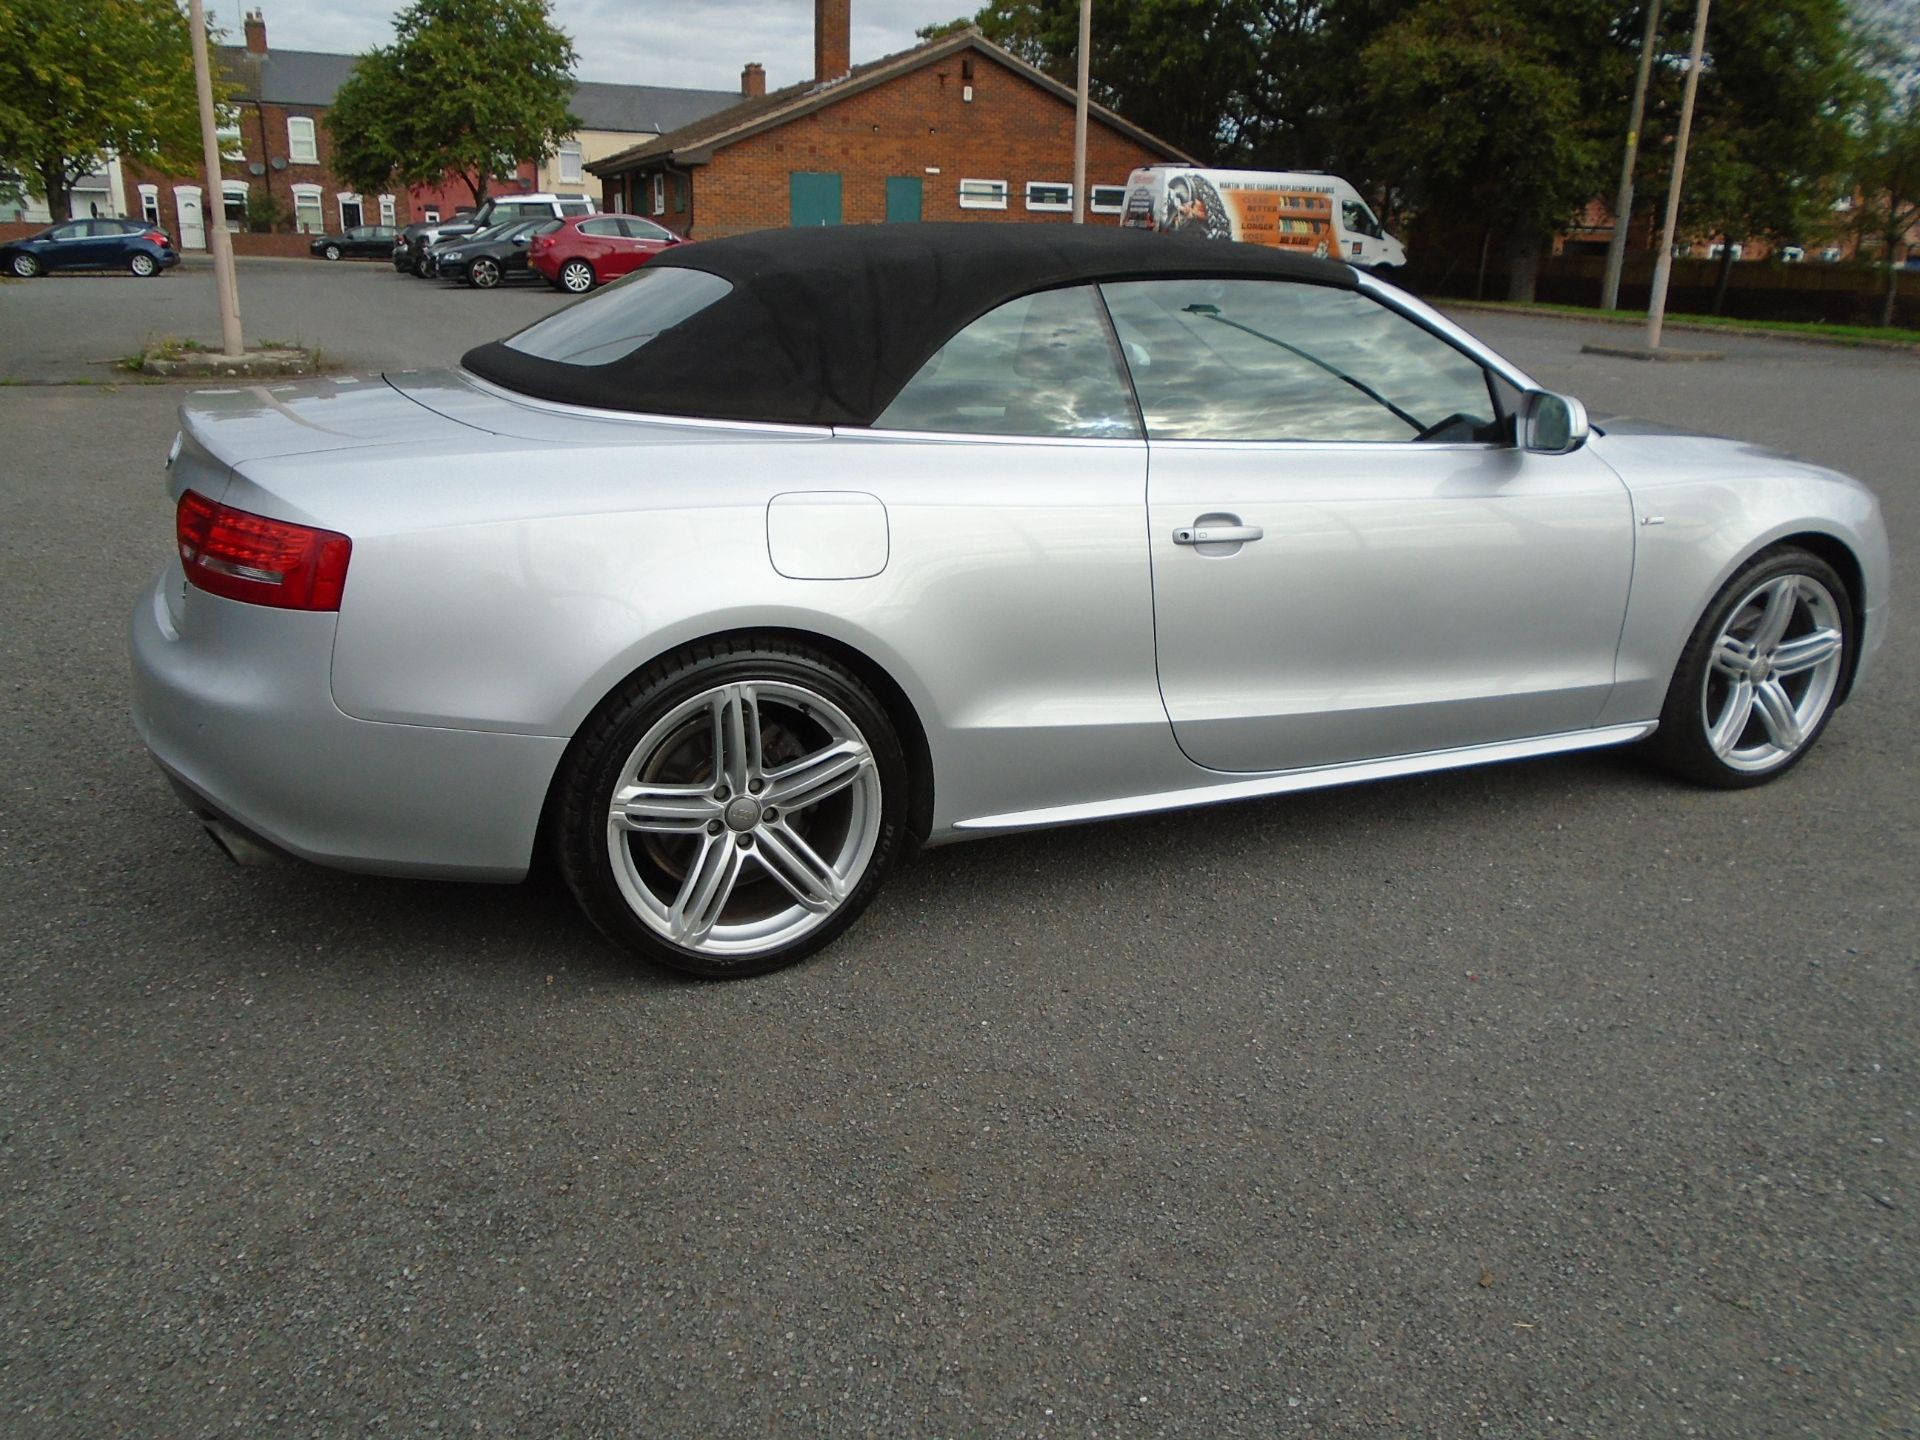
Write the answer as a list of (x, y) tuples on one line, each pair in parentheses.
[(1623, 198), (215, 220), (1080, 117), (1663, 263)]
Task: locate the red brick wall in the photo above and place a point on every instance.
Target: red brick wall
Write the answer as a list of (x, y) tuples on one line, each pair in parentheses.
[(1012, 130)]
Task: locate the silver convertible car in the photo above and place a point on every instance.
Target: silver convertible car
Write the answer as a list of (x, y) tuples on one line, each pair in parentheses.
[(733, 581)]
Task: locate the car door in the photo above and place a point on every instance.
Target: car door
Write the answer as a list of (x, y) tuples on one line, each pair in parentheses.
[(64, 247), (644, 239), (604, 245), (1328, 587)]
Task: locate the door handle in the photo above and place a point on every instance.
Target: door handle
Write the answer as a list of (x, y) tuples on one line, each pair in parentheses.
[(1216, 534)]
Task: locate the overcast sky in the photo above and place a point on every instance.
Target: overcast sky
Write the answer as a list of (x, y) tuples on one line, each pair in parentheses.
[(695, 44)]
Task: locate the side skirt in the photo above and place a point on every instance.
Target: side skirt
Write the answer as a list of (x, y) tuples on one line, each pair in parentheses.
[(1319, 777)]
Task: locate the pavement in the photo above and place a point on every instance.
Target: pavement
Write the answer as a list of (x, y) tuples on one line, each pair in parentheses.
[(1551, 1098)]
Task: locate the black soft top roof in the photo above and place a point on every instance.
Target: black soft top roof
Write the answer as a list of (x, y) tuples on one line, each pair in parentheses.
[(825, 325)]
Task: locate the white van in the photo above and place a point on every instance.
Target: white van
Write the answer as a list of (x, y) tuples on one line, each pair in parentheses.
[(1299, 210)]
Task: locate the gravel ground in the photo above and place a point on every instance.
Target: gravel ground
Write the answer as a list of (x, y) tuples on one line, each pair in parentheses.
[(1553, 1098)]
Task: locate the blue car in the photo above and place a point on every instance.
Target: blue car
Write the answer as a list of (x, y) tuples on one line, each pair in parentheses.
[(90, 245)]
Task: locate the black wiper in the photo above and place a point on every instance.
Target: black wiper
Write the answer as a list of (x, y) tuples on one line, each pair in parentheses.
[(1212, 312)]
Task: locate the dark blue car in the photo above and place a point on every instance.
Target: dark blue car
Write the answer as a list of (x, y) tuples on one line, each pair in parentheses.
[(90, 245)]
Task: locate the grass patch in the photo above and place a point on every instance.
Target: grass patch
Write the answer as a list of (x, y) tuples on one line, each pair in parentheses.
[(1821, 329)]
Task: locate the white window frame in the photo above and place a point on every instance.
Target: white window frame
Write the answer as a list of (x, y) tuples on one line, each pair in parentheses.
[(986, 194), (227, 132), (228, 190), (431, 215), (344, 199), (313, 195), (659, 194), (150, 204), (295, 146), (1118, 206), (388, 210), (1057, 206), (570, 151)]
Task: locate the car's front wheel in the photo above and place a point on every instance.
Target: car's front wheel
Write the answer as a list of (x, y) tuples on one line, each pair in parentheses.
[(24, 265), (332, 252), (483, 274), (1762, 673), (732, 808), (142, 264), (576, 277)]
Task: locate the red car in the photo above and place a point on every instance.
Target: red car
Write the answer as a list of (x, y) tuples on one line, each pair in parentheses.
[(593, 249)]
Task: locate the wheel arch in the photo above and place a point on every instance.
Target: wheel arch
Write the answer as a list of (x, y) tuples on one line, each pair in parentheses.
[(893, 698), (1846, 564)]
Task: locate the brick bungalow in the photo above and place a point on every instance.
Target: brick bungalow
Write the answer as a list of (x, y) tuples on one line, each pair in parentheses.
[(955, 129)]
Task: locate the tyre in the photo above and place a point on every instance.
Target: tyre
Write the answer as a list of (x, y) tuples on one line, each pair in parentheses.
[(332, 252), (1761, 675), (142, 264), (576, 277), (732, 808), (483, 274), (24, 265)]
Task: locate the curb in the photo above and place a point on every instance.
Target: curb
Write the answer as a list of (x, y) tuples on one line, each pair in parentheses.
[(1724, 332), (210, 365)]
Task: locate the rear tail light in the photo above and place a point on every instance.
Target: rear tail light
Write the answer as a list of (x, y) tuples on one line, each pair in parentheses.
[(154, 237), (243, 556)]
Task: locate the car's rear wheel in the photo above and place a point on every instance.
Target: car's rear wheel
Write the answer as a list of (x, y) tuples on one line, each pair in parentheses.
[(332, 252), (576, 277), (732, 808), (142, 264), (1762, 673), (483, 274), (25, 266)]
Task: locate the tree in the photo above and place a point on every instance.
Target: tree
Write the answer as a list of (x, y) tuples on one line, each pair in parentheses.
[(468, 88), (81, 80), (1886, 170)]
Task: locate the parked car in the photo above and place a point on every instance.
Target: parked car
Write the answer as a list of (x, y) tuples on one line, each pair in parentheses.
[(495, 212), (492, 258), (849, 539), (99, 244), (359, 241), (403, 242), (581, 254), (1306, 211)]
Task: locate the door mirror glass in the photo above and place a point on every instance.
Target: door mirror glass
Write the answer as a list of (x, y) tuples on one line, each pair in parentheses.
[(1555, 424)]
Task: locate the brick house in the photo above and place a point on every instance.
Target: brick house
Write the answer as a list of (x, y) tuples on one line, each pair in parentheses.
[(277, 145), (955, 129)]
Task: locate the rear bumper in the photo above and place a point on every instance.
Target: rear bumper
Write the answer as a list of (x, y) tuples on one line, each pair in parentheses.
[(234, 703)]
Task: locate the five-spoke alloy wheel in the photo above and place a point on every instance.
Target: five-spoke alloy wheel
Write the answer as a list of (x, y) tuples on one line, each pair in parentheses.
[(732, 809), (1762, 673), (483, 273)]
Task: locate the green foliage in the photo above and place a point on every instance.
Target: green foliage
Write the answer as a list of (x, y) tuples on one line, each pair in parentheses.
[(80, 79), (264, 211), (467, 88)]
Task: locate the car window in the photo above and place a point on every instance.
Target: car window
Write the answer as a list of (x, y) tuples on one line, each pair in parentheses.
[(575, 207), (638, 229), (1039, 365), (1359, 219), (621, 318), (1278, 360), (72, 230), (601, 227)]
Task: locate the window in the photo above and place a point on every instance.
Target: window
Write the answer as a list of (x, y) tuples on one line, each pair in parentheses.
[(1357, 218), (227, 132), (352, 213), (430, 215), (1045, 195), (1039, 365), (983, 194), (607, 228), (659, 195), (1276, 360), (570, 162), (569, 207), (679, 191), (387, 213), (307, 217), (150, 204), (233, 200), (1107, 199), (302, 148), (638, 229), (621, 319)]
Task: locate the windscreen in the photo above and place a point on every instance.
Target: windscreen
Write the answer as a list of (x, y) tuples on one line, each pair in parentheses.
[(622, 318)]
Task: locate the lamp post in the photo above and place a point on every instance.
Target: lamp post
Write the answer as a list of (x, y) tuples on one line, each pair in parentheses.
[(1080, 117), (224, 284), (1663, 263), (1623, 198)]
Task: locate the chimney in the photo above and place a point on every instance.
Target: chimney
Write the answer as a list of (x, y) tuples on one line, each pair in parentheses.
[(753, 79), (832, 39), (256, 33)]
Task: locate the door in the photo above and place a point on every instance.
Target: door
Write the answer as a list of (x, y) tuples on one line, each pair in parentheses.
[(814, 197), (903, 198), (352, 214), (193, 225), (1329, 588)]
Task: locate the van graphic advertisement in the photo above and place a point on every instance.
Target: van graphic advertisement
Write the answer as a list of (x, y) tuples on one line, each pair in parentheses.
[(1306, 214)]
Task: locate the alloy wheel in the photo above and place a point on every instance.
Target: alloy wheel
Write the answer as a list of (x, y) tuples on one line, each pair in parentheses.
[(25, 266), (577, 277), (141, 264), (484, 274), (744, 818), (1774, 669), (332, 252)]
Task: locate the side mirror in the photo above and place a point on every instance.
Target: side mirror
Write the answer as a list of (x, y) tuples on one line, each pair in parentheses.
[(519, 239), (1553, 424)]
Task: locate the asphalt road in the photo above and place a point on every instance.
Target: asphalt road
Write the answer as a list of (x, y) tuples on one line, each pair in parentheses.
[(1554, 1098)]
